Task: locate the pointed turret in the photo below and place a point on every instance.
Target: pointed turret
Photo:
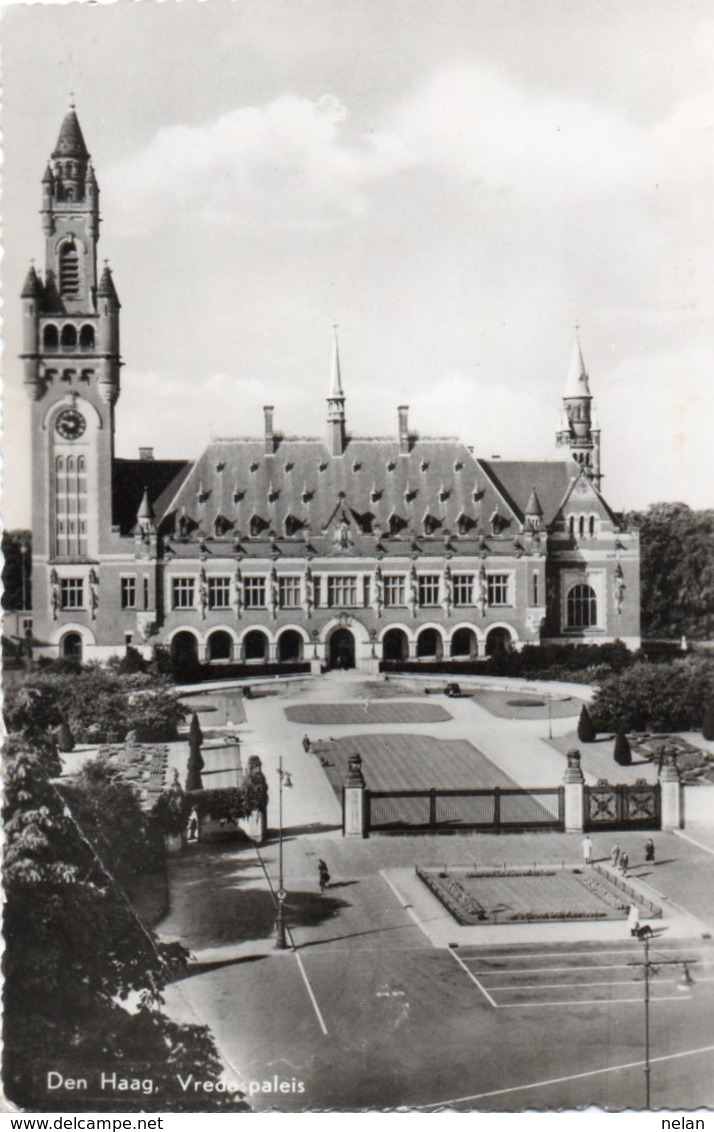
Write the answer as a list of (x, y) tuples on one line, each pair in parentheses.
[(533, 507), (336, 434), (576, 384), (70, 142), (106, 288), (32, 288), (145, 516)]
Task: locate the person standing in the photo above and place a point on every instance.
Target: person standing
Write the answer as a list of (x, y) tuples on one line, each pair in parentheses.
[(624, 862), (614, 856), (323, 875), (306, 743), (587, 847), (649, 851)]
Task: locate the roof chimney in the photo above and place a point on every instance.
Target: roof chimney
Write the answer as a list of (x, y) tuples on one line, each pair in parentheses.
[(269, 434), (403, 411), (146, 453)]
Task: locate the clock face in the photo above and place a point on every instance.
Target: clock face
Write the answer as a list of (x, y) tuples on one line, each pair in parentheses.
[(70, 424)]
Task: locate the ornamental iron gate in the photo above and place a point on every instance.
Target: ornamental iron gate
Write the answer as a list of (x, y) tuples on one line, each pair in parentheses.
[(498, 810), (623, 807)]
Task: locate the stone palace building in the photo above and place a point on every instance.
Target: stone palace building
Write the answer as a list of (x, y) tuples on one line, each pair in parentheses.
[(337, 550)]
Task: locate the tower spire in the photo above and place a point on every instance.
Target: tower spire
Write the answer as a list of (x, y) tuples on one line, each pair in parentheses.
[(578, 430), (336, 434)]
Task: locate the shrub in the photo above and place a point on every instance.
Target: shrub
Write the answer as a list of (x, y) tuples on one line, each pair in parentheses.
[(655, 697), (586, 728), (708, 722), (65, 738), (621, 752)]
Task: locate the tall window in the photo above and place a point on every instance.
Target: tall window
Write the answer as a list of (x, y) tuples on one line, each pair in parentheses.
[(463, 589), (219, 593), (428, 589), (395, 589), (581, 607), (535, 589), (69, 270), (254, 593), (128, 592), (182, 593), (70, 505), (289, 592), (498, 589), (342, 591), (72, 593)]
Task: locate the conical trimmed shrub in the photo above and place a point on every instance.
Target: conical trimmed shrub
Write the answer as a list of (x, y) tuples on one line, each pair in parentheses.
[(65, 738), (621, 752), (586, 727), (708, 723)]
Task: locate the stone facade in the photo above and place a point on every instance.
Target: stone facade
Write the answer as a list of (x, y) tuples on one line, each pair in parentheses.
[(339, 551)]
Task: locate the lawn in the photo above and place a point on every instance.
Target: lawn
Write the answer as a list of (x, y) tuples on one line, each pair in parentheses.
[(365, 711), (482, 896), (527, 705), (416, 762)]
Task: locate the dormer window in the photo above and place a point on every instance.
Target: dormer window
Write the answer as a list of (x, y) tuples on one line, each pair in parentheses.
[(293, 526), (254, 465), (391, 465), (424, 466), (356, 466), (256, 526), (322, 466), (237, 494), (444, 494), (375, 495)]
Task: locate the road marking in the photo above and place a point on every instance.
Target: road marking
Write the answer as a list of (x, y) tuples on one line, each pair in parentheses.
[(566, 986), (563, 1080), (407, 907), (588, 1002), (504, 955), (555, 970), (473, 978), (685, 837), (313, 1000)]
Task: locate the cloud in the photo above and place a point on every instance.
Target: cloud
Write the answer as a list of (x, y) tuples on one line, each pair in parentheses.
[(491, 130), (290, 163)]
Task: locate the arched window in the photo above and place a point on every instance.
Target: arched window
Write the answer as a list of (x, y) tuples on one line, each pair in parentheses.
[(69, 270), (50, 337), (581, 607), (69, 337), (591, 526), (581, 526), (571, 525), (86, 338), (70, 505)]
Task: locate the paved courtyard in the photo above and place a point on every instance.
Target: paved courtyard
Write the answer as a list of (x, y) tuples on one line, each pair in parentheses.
[(386, 1001)]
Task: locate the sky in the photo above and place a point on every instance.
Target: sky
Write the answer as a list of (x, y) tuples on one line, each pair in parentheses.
[(456, 184)]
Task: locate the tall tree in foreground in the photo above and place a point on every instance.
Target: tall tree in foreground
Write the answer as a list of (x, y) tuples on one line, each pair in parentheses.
[(75, 951)]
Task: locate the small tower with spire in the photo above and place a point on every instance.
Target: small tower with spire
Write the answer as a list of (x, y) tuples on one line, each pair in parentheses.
[(578, 427), (336, 434)]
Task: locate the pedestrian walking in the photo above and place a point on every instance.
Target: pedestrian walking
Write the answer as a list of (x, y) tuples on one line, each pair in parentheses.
[(323, 875), (614, 856), (192, 829), (633, 919), (624, 862), (306, 743), (649, 851), (587, 847)]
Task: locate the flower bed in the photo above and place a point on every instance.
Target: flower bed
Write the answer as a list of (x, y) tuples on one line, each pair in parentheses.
[(502, 896)]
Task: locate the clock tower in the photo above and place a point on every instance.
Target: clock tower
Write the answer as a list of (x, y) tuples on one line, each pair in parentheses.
[(71, 375)]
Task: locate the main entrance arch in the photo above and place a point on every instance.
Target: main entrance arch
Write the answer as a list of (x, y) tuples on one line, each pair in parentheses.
[(71, 647), (341, 649)]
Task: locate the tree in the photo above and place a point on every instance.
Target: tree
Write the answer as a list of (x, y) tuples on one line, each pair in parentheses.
[(75, 951), (195, 758), (17, 573), (677, 570), (586, 727), (621, 751), (708, 723)]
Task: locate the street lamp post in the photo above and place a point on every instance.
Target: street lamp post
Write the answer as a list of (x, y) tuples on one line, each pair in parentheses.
[(649, 968), (280, 937), (23, 573)]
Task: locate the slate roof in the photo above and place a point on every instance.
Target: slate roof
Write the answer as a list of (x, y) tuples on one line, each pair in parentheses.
[(517, 478), (160, 478), (70, 142)]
